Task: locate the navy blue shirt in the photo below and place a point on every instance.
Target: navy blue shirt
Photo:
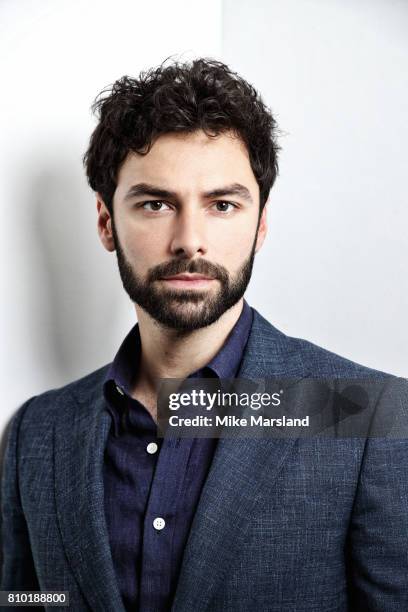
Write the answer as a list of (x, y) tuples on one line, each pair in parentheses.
[(152, 485)]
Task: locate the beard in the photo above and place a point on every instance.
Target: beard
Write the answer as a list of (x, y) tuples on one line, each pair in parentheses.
[(184, 310)]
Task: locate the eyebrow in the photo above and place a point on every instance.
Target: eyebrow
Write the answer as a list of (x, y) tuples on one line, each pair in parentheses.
[(146, 189)]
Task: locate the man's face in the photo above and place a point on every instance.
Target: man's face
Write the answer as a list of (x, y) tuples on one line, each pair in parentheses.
[(186, 227)]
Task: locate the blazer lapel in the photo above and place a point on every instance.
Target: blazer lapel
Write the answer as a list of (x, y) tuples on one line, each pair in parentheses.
[(238, 473), (80, 438), (223, 515)]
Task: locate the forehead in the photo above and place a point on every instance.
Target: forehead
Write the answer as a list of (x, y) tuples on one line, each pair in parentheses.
[(190, 161)]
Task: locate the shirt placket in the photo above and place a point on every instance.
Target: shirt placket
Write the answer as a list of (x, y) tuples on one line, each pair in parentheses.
[(160, 523)]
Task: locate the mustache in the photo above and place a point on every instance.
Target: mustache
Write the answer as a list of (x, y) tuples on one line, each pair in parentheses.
[(192, 266)]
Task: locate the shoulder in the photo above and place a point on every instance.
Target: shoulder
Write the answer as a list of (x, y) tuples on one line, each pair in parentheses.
[(47, 406), (303, 356), (270, 353)]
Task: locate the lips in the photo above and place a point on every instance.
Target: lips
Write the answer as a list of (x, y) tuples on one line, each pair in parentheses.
[(188, 277), (185, 280)]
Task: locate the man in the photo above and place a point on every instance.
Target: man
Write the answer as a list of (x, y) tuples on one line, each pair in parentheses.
[(94, 501)]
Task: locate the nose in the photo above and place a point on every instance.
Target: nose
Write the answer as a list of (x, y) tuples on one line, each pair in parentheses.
[(188, 238)]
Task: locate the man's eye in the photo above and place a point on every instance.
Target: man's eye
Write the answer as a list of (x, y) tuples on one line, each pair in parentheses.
[(155, 206), (224, 207)]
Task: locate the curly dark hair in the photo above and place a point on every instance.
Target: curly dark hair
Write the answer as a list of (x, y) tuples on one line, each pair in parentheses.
[(179, 97)]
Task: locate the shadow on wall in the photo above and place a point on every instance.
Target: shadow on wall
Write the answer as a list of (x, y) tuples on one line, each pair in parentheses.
[(72, 287)]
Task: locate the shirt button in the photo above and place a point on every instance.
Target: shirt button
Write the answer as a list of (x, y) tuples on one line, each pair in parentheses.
[(119, 390), (152, 448), (159, 523)]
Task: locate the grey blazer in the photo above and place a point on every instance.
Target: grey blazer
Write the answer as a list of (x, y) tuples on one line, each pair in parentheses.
[(311, 525)]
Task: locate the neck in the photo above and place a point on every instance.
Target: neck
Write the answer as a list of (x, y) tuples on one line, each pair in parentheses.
[(169, 353)]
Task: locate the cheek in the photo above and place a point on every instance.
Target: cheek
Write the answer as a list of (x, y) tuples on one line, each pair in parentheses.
[(231, 246), (143, 247)]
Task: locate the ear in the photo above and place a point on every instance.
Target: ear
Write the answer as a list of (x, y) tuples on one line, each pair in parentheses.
[(104, 224), (262, 229)]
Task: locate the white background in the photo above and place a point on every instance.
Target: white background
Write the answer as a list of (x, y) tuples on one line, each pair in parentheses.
[(335, 73), (334, 269)]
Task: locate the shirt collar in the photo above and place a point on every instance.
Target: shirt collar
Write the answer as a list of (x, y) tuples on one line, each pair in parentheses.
[(126, 362), (225, 364)]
